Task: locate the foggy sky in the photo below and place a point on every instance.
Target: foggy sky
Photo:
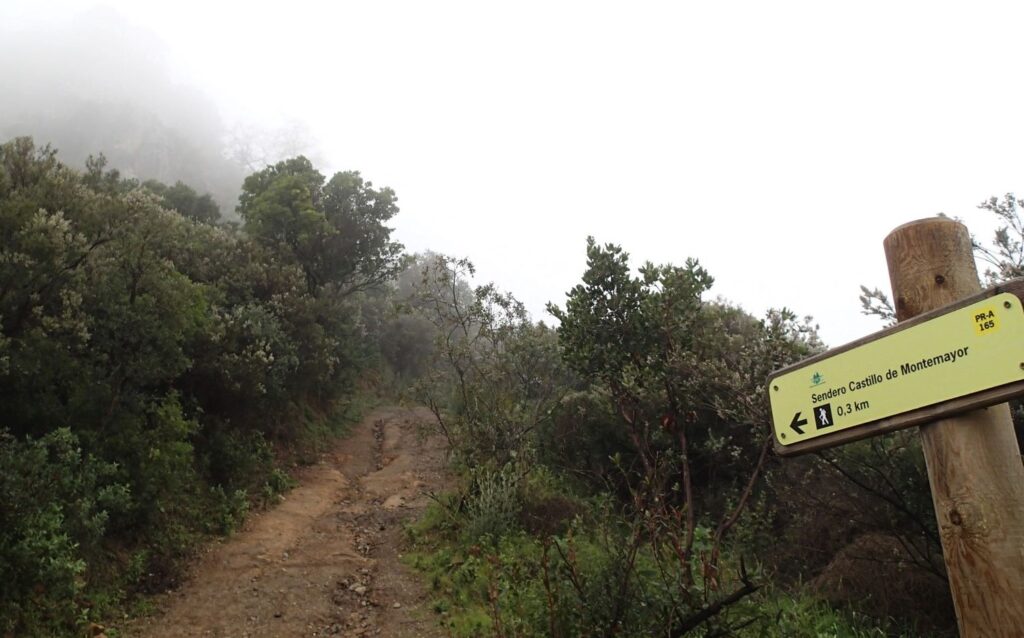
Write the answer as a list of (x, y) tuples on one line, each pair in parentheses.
[(778, 143), (91, 81)]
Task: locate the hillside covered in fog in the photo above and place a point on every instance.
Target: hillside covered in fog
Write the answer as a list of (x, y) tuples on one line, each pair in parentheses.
[(99, 84)]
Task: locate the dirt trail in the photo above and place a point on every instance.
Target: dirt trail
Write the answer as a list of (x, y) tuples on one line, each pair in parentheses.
[(325, 561)]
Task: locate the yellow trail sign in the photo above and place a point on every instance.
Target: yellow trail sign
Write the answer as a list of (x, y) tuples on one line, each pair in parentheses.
[(956, 354)]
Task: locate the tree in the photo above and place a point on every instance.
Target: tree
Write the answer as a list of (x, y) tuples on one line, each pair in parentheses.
[(502, 372), (186, 201), (687, 382), (1006, 255), (335, 231)]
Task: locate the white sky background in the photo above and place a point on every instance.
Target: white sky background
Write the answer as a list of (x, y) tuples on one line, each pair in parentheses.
[(776, 142)]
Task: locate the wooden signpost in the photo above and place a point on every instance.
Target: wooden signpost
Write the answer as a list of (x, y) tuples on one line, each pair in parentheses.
[(956, 353)]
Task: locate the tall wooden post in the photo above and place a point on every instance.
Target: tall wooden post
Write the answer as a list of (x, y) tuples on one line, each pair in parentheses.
[(974, 463)]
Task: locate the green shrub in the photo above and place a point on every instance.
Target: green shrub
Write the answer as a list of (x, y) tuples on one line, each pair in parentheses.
[(801, 616), (229, 510), (154, 365), (54, 508), (493, 504), (236, 460)]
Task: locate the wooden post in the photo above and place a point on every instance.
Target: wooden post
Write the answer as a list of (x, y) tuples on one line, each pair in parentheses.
[(974, 463)]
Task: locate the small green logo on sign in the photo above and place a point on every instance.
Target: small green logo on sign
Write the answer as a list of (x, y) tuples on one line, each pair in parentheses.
[(817, 379)]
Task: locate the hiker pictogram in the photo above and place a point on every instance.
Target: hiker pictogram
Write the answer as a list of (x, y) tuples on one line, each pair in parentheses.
[(823, 415)]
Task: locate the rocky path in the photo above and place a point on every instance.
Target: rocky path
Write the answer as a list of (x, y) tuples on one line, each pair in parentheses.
[(325, 562)]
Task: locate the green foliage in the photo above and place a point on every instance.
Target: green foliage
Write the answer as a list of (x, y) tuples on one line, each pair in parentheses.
[(406, 346), (892, 493), (663, 433), (629, 499), (182, 198), (493, 503), (587, 581), (496, 376), (55, 506), (230, 509), (335, 231), (624, 330), (236, 460), (683, 383), (155, 360), (803, 616)]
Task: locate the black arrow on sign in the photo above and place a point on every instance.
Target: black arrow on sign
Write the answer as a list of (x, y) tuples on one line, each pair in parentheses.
[(797, 422)]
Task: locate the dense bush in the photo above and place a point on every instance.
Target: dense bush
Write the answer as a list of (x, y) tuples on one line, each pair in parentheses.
[(150, 360), (617, 477), (57, 505), (496, 376), (645, 398)]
